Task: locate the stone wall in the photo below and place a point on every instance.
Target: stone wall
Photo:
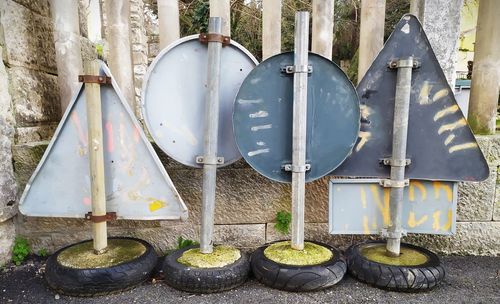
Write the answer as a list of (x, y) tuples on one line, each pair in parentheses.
[(29, 95), (246, 202)]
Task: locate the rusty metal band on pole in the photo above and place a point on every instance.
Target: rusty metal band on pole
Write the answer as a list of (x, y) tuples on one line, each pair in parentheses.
[(398, 158), (210, 139)]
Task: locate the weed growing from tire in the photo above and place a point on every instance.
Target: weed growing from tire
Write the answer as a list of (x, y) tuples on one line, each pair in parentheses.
[(20, 250), (182, 242), (283, 220)]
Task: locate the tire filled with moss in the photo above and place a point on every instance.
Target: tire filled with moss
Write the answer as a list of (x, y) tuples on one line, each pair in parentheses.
[(299, 278), (205, 279), (416, 269), (74, 271)]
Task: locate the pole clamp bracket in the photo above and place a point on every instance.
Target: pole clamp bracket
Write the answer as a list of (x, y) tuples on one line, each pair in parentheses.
[(395, 162), (404, 63), (109, 216), (385, 233), (94, 79), (209, 160), (389, 183), (295, 168), (292, 69), (212, 37)]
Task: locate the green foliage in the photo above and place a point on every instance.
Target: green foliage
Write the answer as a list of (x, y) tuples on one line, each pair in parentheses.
[(283, 220), (42, 252), (182, 242), (21, 250)]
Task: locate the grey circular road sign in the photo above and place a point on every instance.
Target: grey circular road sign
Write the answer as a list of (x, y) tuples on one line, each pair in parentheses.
[(173, 98), (262, 117)]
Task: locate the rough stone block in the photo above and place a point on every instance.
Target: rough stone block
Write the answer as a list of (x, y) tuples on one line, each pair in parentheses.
[(7, 236), (317, 232), (35, 96), (40, 7), (476, 199), (8, 189), (154, 49), (496, 206), (26, 157), (494, 151), (471, 238), (35, 134), (28, 37), (241, 236)]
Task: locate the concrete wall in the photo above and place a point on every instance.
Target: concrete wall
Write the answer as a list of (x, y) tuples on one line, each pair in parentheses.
[(246, 202)]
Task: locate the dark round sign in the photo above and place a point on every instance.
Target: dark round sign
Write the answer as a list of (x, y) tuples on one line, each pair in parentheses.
[(262, 117)]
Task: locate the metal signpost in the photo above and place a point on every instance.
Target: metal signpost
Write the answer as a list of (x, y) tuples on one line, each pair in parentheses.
[(300, 69), (413, 137), (296, 129), (209, 158), (398, 160)]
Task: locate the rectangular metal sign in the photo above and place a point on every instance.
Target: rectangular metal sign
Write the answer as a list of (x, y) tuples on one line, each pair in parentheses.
[(361, 206)]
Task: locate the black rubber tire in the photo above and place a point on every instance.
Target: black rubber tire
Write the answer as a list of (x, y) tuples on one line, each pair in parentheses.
[(397, 278), (298, 278), (100, 281), (204, 280)]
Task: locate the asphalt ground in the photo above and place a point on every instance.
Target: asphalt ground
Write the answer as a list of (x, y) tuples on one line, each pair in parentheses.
[(468, 280)]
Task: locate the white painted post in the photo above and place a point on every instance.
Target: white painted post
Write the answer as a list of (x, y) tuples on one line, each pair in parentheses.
[(271, 28), (371, 33), (96, 157), (222, 8), (68, 50), (322, 27), (168, 18), (94, 24), (417, 9), (299, 128), (486, 72), (120, 58)]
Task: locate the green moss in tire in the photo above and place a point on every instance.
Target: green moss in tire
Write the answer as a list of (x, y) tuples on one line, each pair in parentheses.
[(418, 269)]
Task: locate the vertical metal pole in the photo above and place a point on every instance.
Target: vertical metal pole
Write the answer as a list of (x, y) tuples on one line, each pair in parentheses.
[(96, 157), (299, 128), (210, 139), (398, 159)]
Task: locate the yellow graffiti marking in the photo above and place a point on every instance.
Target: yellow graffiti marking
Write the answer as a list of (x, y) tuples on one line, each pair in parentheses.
[(435, 223), (366, 230), (452, 126), (440, 94), (438, 186), (449, 139), (460, 147), (413, 222), (423, 97), (155, 205), (446, 111), (365, 136), (447, 226), (411, 191), (365, 111), (374, 223), (363, 197), (383, 207)]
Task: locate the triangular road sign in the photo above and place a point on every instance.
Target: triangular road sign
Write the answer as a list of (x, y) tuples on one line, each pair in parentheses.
[(440, 144), (137, 185)]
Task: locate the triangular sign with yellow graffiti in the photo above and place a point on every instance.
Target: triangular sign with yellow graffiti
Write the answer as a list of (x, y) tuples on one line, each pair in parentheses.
[(137, 185), (440, 144)]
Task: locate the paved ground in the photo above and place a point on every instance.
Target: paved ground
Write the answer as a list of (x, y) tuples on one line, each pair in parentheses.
[(468, 280)]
